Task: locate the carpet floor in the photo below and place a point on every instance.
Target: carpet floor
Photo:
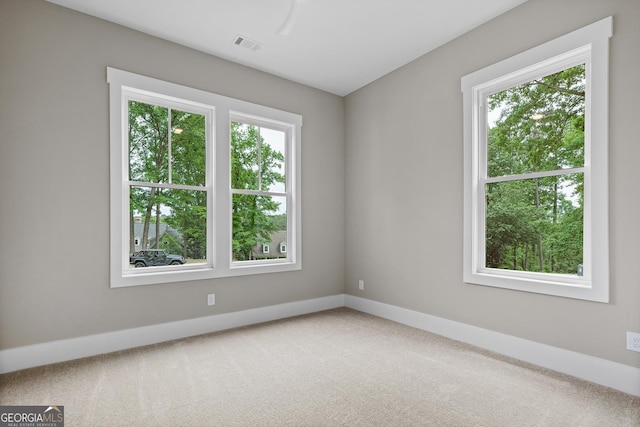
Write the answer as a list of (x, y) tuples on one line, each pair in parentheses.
[(334, 368)]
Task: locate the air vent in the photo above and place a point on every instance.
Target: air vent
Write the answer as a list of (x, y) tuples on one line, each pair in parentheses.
[(247, 43)]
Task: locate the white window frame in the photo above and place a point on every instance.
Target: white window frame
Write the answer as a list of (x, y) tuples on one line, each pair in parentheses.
[(221, 108), (589, 45), (288, 131)]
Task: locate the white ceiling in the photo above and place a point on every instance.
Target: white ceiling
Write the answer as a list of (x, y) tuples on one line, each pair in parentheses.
[(334, 45)]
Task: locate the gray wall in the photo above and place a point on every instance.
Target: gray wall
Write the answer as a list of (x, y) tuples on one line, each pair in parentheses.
[(54, 178), (404, 186), (403, 182)]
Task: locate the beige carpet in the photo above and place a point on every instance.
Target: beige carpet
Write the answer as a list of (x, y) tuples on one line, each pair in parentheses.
[(335, 368)]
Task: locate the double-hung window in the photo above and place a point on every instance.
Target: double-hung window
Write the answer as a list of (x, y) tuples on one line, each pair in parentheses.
[(201, 184), (536, 196), (258, 185)]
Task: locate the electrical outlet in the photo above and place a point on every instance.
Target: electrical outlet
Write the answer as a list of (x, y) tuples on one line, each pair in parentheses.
[(633, 341), (211, 299), (361, 285)]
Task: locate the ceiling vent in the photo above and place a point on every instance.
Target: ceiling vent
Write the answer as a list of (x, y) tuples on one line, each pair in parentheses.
[(247, 43)]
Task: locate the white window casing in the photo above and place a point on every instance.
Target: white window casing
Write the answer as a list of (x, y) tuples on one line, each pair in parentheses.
[(219, 109), (590, 46)]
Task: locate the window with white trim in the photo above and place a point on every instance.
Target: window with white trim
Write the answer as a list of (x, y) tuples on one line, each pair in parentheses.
[(536, 192), (258, 184), (176, 182)]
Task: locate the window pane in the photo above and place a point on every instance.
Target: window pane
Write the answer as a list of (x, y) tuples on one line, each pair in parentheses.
[(536, 224), (537, 126), (257, 158), (272, 159), (258, 220), (173, 220), (148, 142), (244, 156), (188, 148)]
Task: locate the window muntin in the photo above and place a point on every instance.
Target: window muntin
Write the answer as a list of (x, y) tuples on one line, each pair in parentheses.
[(569, 161), (177, 191)]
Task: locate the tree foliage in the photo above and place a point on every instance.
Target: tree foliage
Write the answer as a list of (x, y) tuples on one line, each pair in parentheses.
[(536, 224), (257, 166), (168, 146)]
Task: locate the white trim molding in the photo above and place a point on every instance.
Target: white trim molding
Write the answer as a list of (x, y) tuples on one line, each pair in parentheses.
[(589, 47), (14, 359), (600, 371)]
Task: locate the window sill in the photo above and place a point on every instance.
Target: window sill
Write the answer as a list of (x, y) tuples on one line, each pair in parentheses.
[(568, 286)]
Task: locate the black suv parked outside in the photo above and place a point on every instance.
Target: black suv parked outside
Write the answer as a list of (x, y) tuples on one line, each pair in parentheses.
[(154, 257)]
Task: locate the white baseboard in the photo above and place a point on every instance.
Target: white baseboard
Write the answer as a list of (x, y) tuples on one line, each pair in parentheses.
[(14, 359), (600, 371)]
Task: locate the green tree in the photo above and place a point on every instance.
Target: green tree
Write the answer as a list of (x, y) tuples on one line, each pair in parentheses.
[(257, 167), (540, 128), (167, 145), (188, 209), (148, 144)]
